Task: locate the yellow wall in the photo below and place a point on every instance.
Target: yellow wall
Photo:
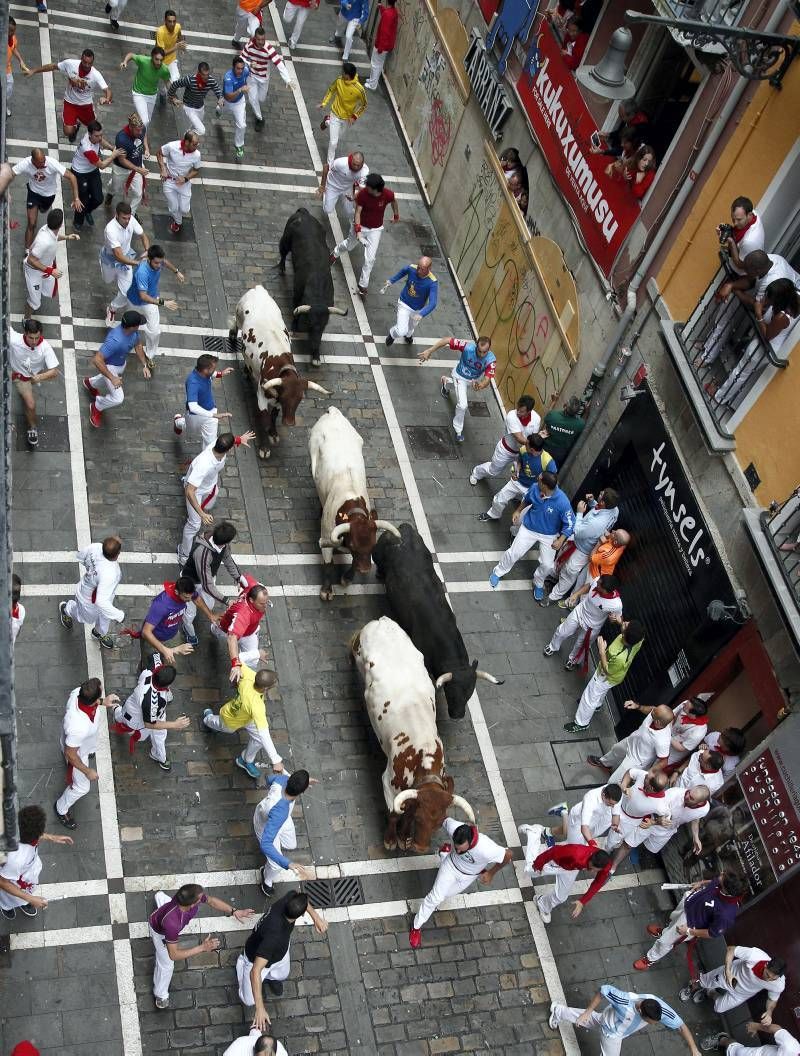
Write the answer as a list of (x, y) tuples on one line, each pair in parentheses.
[(768, 436)]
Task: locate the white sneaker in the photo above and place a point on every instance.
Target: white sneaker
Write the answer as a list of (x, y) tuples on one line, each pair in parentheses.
[(526, 830), (473, 479), (551, 1022), (111, 315), (545, 916)]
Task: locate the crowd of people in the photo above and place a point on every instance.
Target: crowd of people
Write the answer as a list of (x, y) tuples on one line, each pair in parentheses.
[(656, 781)]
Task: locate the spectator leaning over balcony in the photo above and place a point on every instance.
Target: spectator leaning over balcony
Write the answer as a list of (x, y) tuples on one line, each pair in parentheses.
[(518, 185), (510, 162), (632, 119), (639, 176), (629, 145), (575, 40), (747, 236)]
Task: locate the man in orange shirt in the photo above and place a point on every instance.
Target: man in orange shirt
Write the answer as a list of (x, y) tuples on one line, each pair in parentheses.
[(607, 553), (12, 51), (248, 19)]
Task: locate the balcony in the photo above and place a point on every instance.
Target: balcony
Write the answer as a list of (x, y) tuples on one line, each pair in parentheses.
[(714, 12), (775, 534)]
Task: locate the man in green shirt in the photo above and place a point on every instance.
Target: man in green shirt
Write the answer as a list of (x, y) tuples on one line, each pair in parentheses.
[(563, 429), (614, 663), (150, 71)]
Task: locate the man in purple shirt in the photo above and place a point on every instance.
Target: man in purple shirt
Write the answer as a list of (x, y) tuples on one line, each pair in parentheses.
[(165, 616), (706, 911), (168, 920)]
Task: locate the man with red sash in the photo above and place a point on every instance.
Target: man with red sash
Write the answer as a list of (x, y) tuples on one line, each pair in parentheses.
[(19, 873), (93, 603), (564, 861), (79, 742), (520, 423), (239, 626), (601, 601), (144, 713), (643, 796), (688, 729), (165, 616)]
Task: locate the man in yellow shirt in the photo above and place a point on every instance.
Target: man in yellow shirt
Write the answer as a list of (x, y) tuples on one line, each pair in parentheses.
[(170, 38), (349, 103), (247, 710)]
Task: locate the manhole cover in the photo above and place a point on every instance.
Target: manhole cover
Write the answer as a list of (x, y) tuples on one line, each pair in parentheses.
[(160, 223), (214, 344), (570, 759), (330, 894), (432, 441), (478, 409), (429, 249), (53, 433)]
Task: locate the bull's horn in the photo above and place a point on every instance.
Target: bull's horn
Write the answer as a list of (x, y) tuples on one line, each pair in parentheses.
[(404, 797), (317, 388), (301, 309), (337, 311), (387, 526), (338, 532), (489, 678), (443, 679), (461, 803), (275, 383)]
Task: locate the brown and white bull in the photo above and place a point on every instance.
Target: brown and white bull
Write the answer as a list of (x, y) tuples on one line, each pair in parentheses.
[(268, 361), (348, 523), (401, 704)]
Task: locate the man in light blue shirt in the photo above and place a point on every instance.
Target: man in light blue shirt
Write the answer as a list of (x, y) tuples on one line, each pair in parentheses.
[(274, 827), (144, 296), (594, 518), (234, 91), (625, 1014), (545, 517)]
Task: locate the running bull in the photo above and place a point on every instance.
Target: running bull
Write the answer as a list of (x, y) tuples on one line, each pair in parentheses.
[(304, 238), (337, 466), (420, 606), (269, 364), (401, 704)]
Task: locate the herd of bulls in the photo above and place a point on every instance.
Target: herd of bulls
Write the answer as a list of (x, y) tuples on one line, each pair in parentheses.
[(403, 661)]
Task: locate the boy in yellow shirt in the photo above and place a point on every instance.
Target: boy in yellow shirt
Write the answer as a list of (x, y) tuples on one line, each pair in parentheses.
[(247, 710), (349, 103), (170, 38)]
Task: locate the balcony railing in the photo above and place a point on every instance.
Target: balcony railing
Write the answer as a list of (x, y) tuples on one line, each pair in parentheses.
[(714, 12), (726, 353), (781, 524)]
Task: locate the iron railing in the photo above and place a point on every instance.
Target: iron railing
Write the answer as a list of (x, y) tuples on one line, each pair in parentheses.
[(8, 784), (781, 524), (714, 12), (726, 352)]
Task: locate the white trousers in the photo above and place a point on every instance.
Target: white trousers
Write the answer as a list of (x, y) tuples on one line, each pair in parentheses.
[(376, 68), (331, 197), (157, 738), (286, 840), (570, 570), (608, 1046), (122, 276), (730, 998), (669, 936), (117, 7), (85, 612), (370, 238), (569, 628), (39, 285), (336, 128), (619, 761), (509, 492), (276, 972), (500, 461), (245, 26), (297, 14), (239, 112), (152, 327), (248, 645), (77, 788), (133, 195), (9, 90), (144, 106), (190, 614), (179, 199), (349, 28), (449, 881), (256, 741), (592, 698), (204, 428), (257, 89), (113, 397), (195, 115), (461, 386), (404, 325), (524, 541), (193, 522), (164, 966), (564, 880)]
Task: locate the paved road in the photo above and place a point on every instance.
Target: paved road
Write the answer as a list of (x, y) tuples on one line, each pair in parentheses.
[(77, 979)]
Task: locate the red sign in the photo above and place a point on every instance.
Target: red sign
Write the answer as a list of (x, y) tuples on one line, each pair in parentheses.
[(773, 812), (562, 124), (488, 9)]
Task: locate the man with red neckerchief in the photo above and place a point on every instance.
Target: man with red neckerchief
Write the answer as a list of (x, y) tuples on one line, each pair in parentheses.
[(179, 162), (689, 727), (239, 626), (703, 767), (165, 616), (19, 873), (566, 860), (32, 361), (600, 601), (78, 742), (82, 79), (643, 796), (144, 713), (521, 422), (647, 746)]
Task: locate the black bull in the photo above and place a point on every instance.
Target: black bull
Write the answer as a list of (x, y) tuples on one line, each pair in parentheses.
[(312, 295), (420, 606)]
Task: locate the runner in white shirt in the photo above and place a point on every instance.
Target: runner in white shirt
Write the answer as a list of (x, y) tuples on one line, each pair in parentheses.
[(286, 838), (32, 361), (256, 1044), (600, 601), (93, 603), (200, 486), (589, 818), (79, 742), (39, 266), (730, 742), (117, 259), (82, 82), (43, 175), (341, 180), (87, 164), (785, 1043), (643, 795), (19, 873), (521, 422), (688, 728), (179, 162), (17, 608), (682, 807), (644, 747), (703, 767), (470, 857), (746, 972)]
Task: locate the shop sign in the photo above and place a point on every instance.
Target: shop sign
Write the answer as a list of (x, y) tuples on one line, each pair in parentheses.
[(514, 22), (487, 86), (561, 121)]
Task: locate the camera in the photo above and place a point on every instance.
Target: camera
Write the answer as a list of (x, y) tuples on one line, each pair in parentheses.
[(725, 232)]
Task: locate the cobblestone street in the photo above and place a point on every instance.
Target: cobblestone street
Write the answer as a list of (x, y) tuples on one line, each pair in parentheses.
[(77, 979)]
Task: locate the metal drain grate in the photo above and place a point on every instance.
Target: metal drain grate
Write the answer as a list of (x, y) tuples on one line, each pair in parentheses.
[(214, 344), (330, 894), (478, 409)]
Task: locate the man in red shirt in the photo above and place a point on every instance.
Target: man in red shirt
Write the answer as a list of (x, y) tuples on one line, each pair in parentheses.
[(385, 40), (367, 226), (565, 860), (239, 626)]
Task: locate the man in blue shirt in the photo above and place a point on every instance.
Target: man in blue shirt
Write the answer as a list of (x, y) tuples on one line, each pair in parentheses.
[(234, 92), (201, 417), (143, 295), (105, 388), (274, 827), (545, 517), (418, 298), (531, 461), (129, 171), (475, 368), (352, 15), (594, 518)]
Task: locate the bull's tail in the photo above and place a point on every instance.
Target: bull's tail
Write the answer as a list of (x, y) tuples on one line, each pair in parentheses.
[(355, 643)]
